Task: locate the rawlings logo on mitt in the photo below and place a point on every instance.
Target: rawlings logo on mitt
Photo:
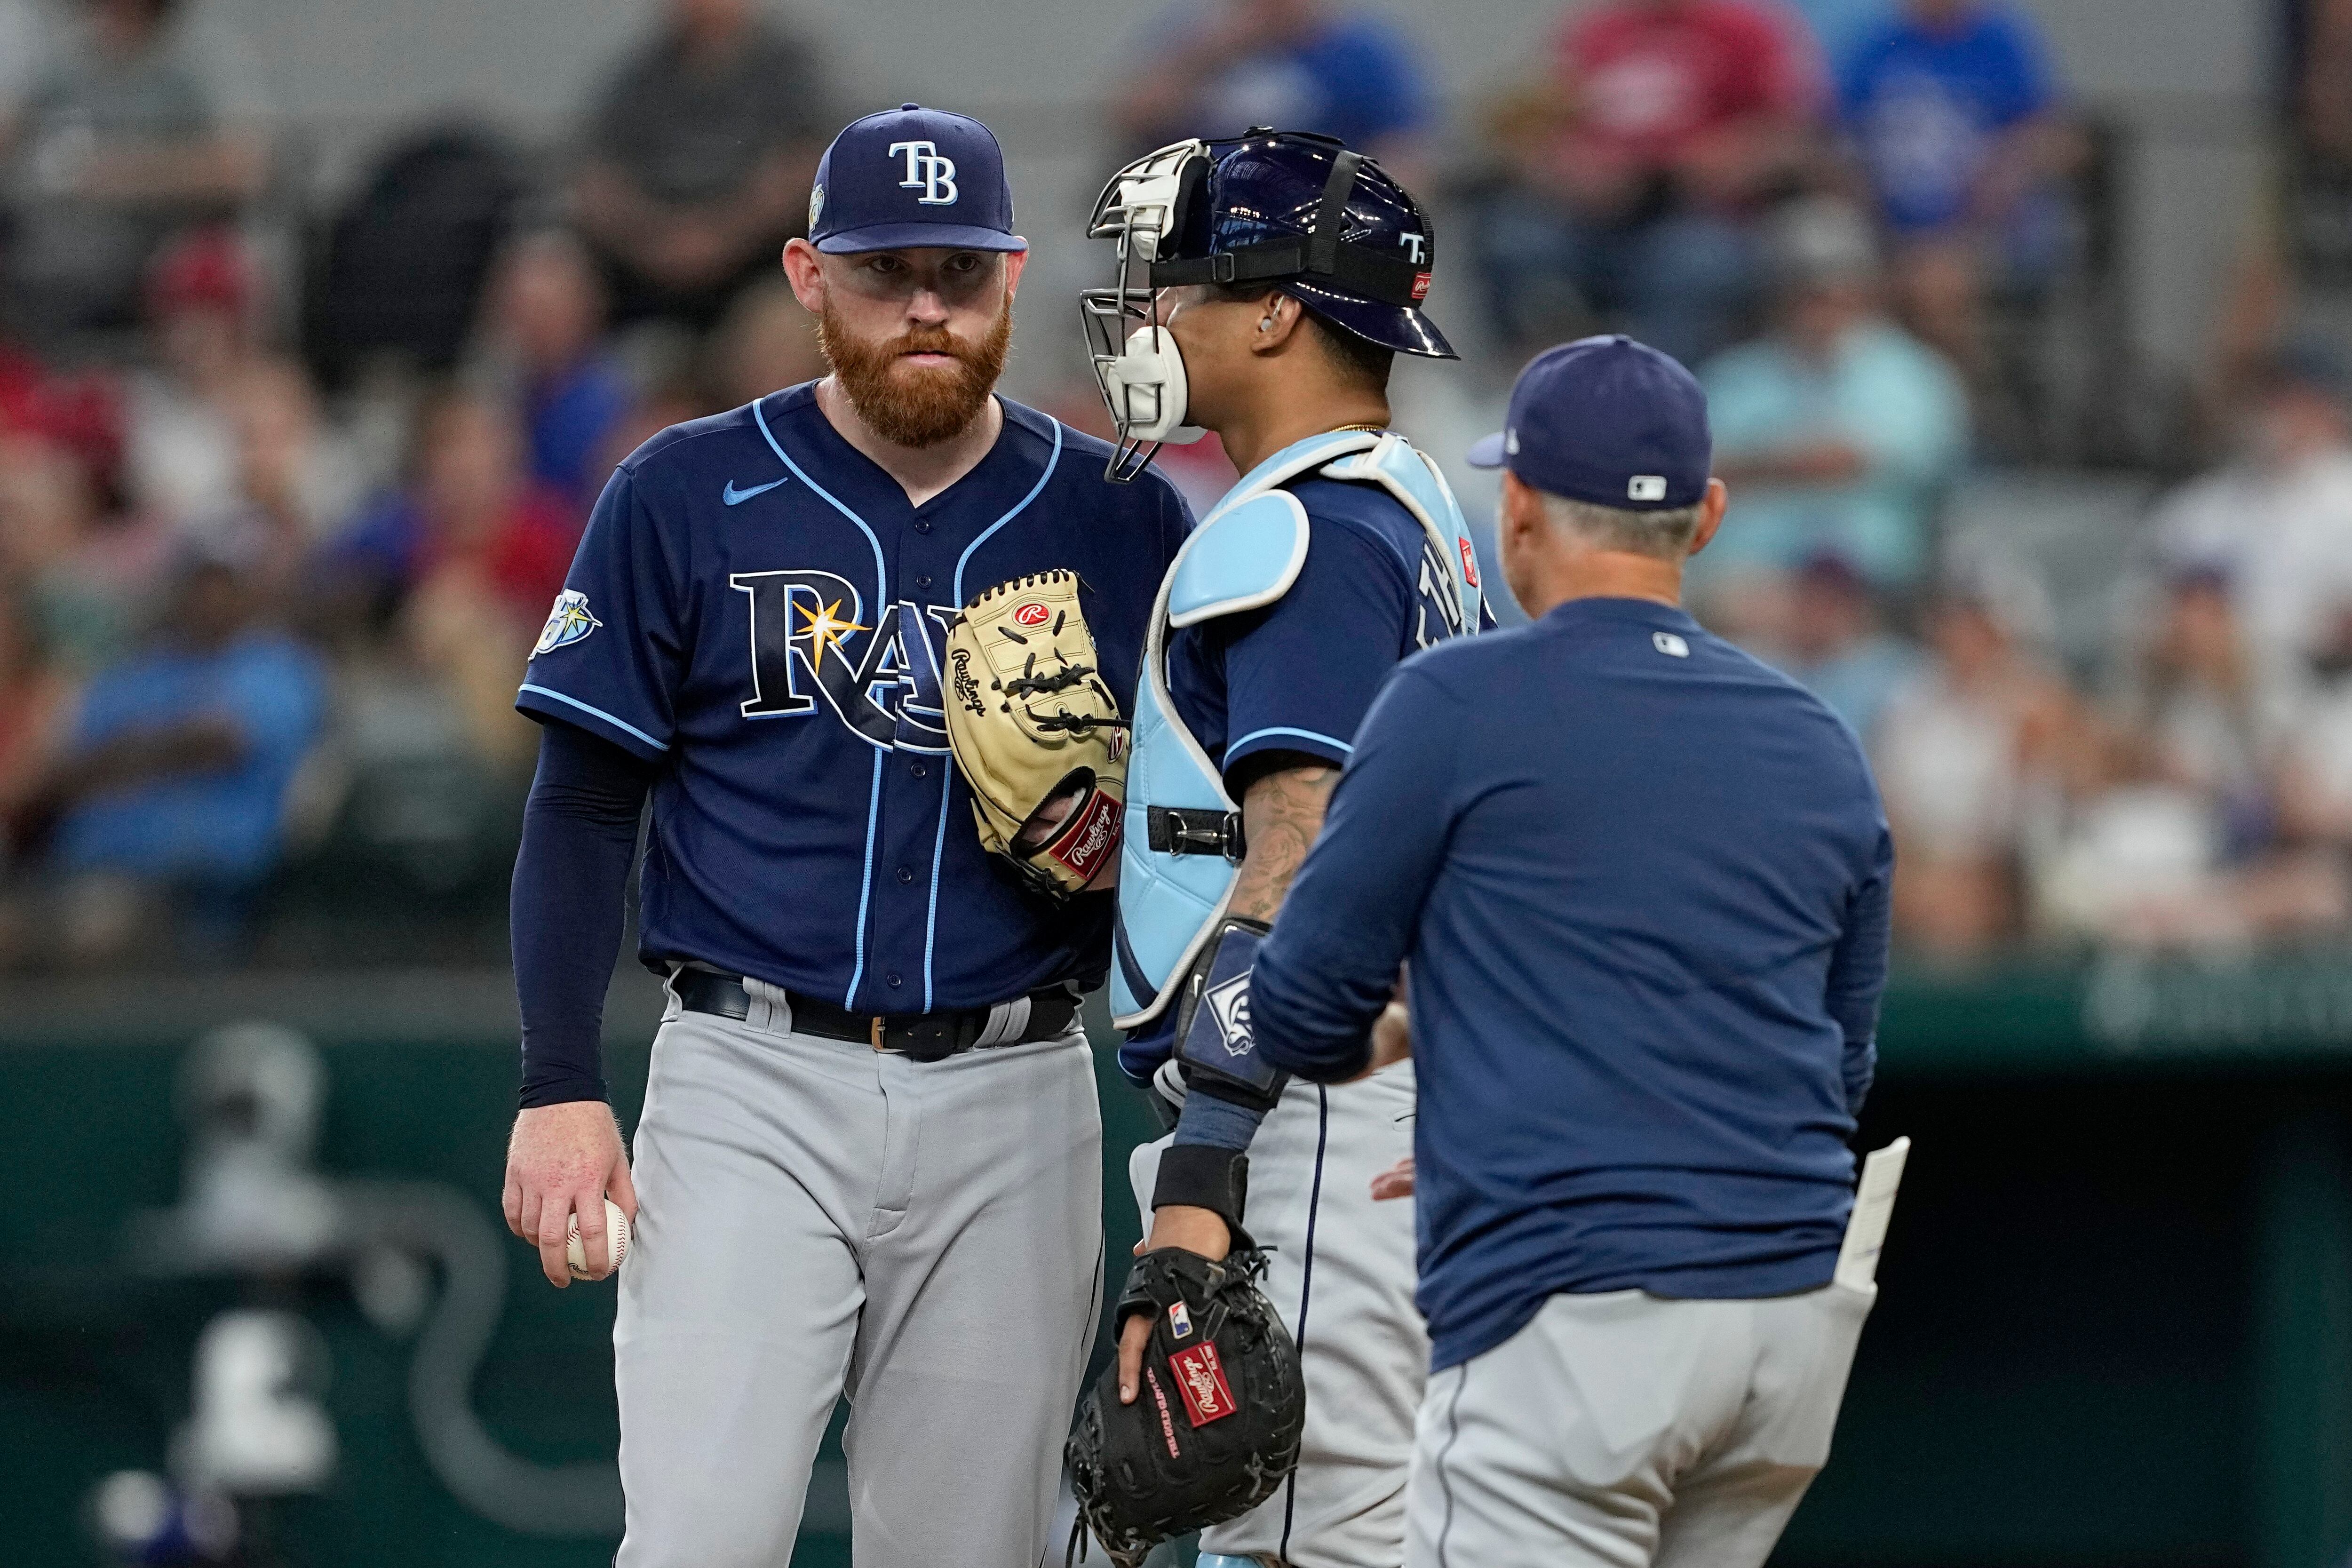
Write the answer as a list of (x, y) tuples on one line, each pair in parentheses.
[(1218, 1411), (1036, 733)]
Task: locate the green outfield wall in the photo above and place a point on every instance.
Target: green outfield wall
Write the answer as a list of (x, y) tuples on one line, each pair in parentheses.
[(2115, 1327)]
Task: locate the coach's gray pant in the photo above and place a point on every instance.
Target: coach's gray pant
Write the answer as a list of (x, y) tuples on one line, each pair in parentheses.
[(816, 1216), (1341, 1274), (1621, 1430)]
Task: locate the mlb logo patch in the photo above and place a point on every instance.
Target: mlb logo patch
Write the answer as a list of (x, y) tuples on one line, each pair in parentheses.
[(1179, 1321), (1646, 487)]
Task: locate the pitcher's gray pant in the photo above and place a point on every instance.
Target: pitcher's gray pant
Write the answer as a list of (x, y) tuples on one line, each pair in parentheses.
[(815, 1217), (1341, 1274), (1623, 1430)]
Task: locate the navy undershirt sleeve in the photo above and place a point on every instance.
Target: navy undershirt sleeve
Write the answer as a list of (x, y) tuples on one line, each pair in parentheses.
[(579, 834)]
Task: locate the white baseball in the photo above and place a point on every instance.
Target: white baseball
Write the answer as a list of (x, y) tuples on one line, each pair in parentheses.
[(616, 1240)]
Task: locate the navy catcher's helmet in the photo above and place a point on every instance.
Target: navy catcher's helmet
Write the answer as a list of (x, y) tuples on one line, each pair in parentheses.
[(1287, 209), (1304, 212)]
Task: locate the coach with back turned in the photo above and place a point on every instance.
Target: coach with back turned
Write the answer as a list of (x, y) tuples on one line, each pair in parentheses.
[(1640, 885)]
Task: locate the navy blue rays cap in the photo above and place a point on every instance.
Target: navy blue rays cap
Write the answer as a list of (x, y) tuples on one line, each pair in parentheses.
[(912, 176), (1609, 421)]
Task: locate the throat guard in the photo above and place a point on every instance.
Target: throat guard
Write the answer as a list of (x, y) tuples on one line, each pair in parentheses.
[(1183, 843)]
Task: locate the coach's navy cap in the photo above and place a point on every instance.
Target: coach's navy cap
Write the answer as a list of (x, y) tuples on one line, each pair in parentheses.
[(911, 176), (1606, 420)]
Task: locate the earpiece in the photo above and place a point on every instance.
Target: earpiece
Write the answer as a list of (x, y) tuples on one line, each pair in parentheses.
[(1266, 326)]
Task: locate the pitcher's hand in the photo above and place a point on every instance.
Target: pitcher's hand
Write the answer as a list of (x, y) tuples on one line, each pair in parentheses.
[(566, 1160)]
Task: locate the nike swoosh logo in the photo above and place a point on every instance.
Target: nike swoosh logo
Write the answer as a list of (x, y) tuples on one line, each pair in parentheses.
[(734, 497)]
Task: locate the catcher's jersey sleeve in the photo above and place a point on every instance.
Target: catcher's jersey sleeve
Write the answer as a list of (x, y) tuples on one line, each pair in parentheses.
[(1299, 675), (608, 658)]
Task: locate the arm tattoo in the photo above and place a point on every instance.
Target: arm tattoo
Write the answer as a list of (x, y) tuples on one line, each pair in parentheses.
[(1281, 814)]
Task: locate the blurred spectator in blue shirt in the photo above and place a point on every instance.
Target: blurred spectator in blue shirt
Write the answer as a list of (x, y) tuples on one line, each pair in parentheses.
[(1219, 67), (1955, 115), (173, 785), (546, 323), (1838, 430)]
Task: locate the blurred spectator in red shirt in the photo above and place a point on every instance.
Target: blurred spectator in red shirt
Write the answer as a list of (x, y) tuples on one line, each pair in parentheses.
[(144, 120), (1219, 67), (1676, 119), (698, 158), (545, 323)]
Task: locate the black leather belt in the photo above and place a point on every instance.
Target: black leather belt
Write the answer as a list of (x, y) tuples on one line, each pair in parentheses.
[(922, 1036)]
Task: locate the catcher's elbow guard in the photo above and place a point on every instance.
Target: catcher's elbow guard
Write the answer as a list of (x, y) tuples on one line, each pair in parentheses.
[(1215, 1045)]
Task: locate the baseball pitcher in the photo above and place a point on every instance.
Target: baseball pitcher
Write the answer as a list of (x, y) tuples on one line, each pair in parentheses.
[(870, 1159)]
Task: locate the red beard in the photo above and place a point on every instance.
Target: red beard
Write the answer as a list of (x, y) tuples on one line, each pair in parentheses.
[(913, 405)]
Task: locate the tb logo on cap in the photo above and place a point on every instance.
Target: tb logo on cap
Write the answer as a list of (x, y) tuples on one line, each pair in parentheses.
[(928, 173)]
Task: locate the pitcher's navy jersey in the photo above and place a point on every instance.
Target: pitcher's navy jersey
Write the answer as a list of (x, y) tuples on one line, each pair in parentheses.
[(756, 605), (1299, 675)]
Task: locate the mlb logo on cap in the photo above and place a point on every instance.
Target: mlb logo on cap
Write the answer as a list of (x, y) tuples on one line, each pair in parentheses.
[(912, 176)]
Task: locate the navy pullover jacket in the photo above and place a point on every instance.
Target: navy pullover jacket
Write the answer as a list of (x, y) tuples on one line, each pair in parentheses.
[(1642, 881)]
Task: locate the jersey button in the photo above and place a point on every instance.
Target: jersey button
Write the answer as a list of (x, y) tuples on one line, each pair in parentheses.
[(906, 875), (924, 581), (922, 525), (920, 770), (892, 980)]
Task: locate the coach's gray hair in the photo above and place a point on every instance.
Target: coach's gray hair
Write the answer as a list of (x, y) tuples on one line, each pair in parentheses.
[(1665, 534)]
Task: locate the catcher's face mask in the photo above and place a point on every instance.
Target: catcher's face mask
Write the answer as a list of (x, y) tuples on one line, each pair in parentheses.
[(1135, 361)]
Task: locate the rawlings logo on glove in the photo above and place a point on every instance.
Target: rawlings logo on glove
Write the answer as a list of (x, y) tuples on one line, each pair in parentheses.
[(1037, 734)]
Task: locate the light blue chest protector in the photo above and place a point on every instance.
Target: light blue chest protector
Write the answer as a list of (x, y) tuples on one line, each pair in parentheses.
[(1182, 830)]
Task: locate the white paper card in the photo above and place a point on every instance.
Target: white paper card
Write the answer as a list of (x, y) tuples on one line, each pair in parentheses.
[(1874, 1205)]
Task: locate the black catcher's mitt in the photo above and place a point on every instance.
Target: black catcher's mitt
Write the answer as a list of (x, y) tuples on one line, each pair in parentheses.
[(1218, 1408)]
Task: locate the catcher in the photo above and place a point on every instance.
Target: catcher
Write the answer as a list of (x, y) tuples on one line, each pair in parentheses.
[(1264, 285)]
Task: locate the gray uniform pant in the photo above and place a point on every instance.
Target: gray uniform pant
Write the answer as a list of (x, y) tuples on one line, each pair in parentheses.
[(1341, 1274), (1621, 1430), (818, 1217)]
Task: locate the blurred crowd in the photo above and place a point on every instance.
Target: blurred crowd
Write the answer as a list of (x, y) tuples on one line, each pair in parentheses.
[(278, 525)]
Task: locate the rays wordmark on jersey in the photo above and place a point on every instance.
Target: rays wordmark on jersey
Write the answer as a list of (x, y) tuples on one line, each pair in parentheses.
[(813, 645)]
